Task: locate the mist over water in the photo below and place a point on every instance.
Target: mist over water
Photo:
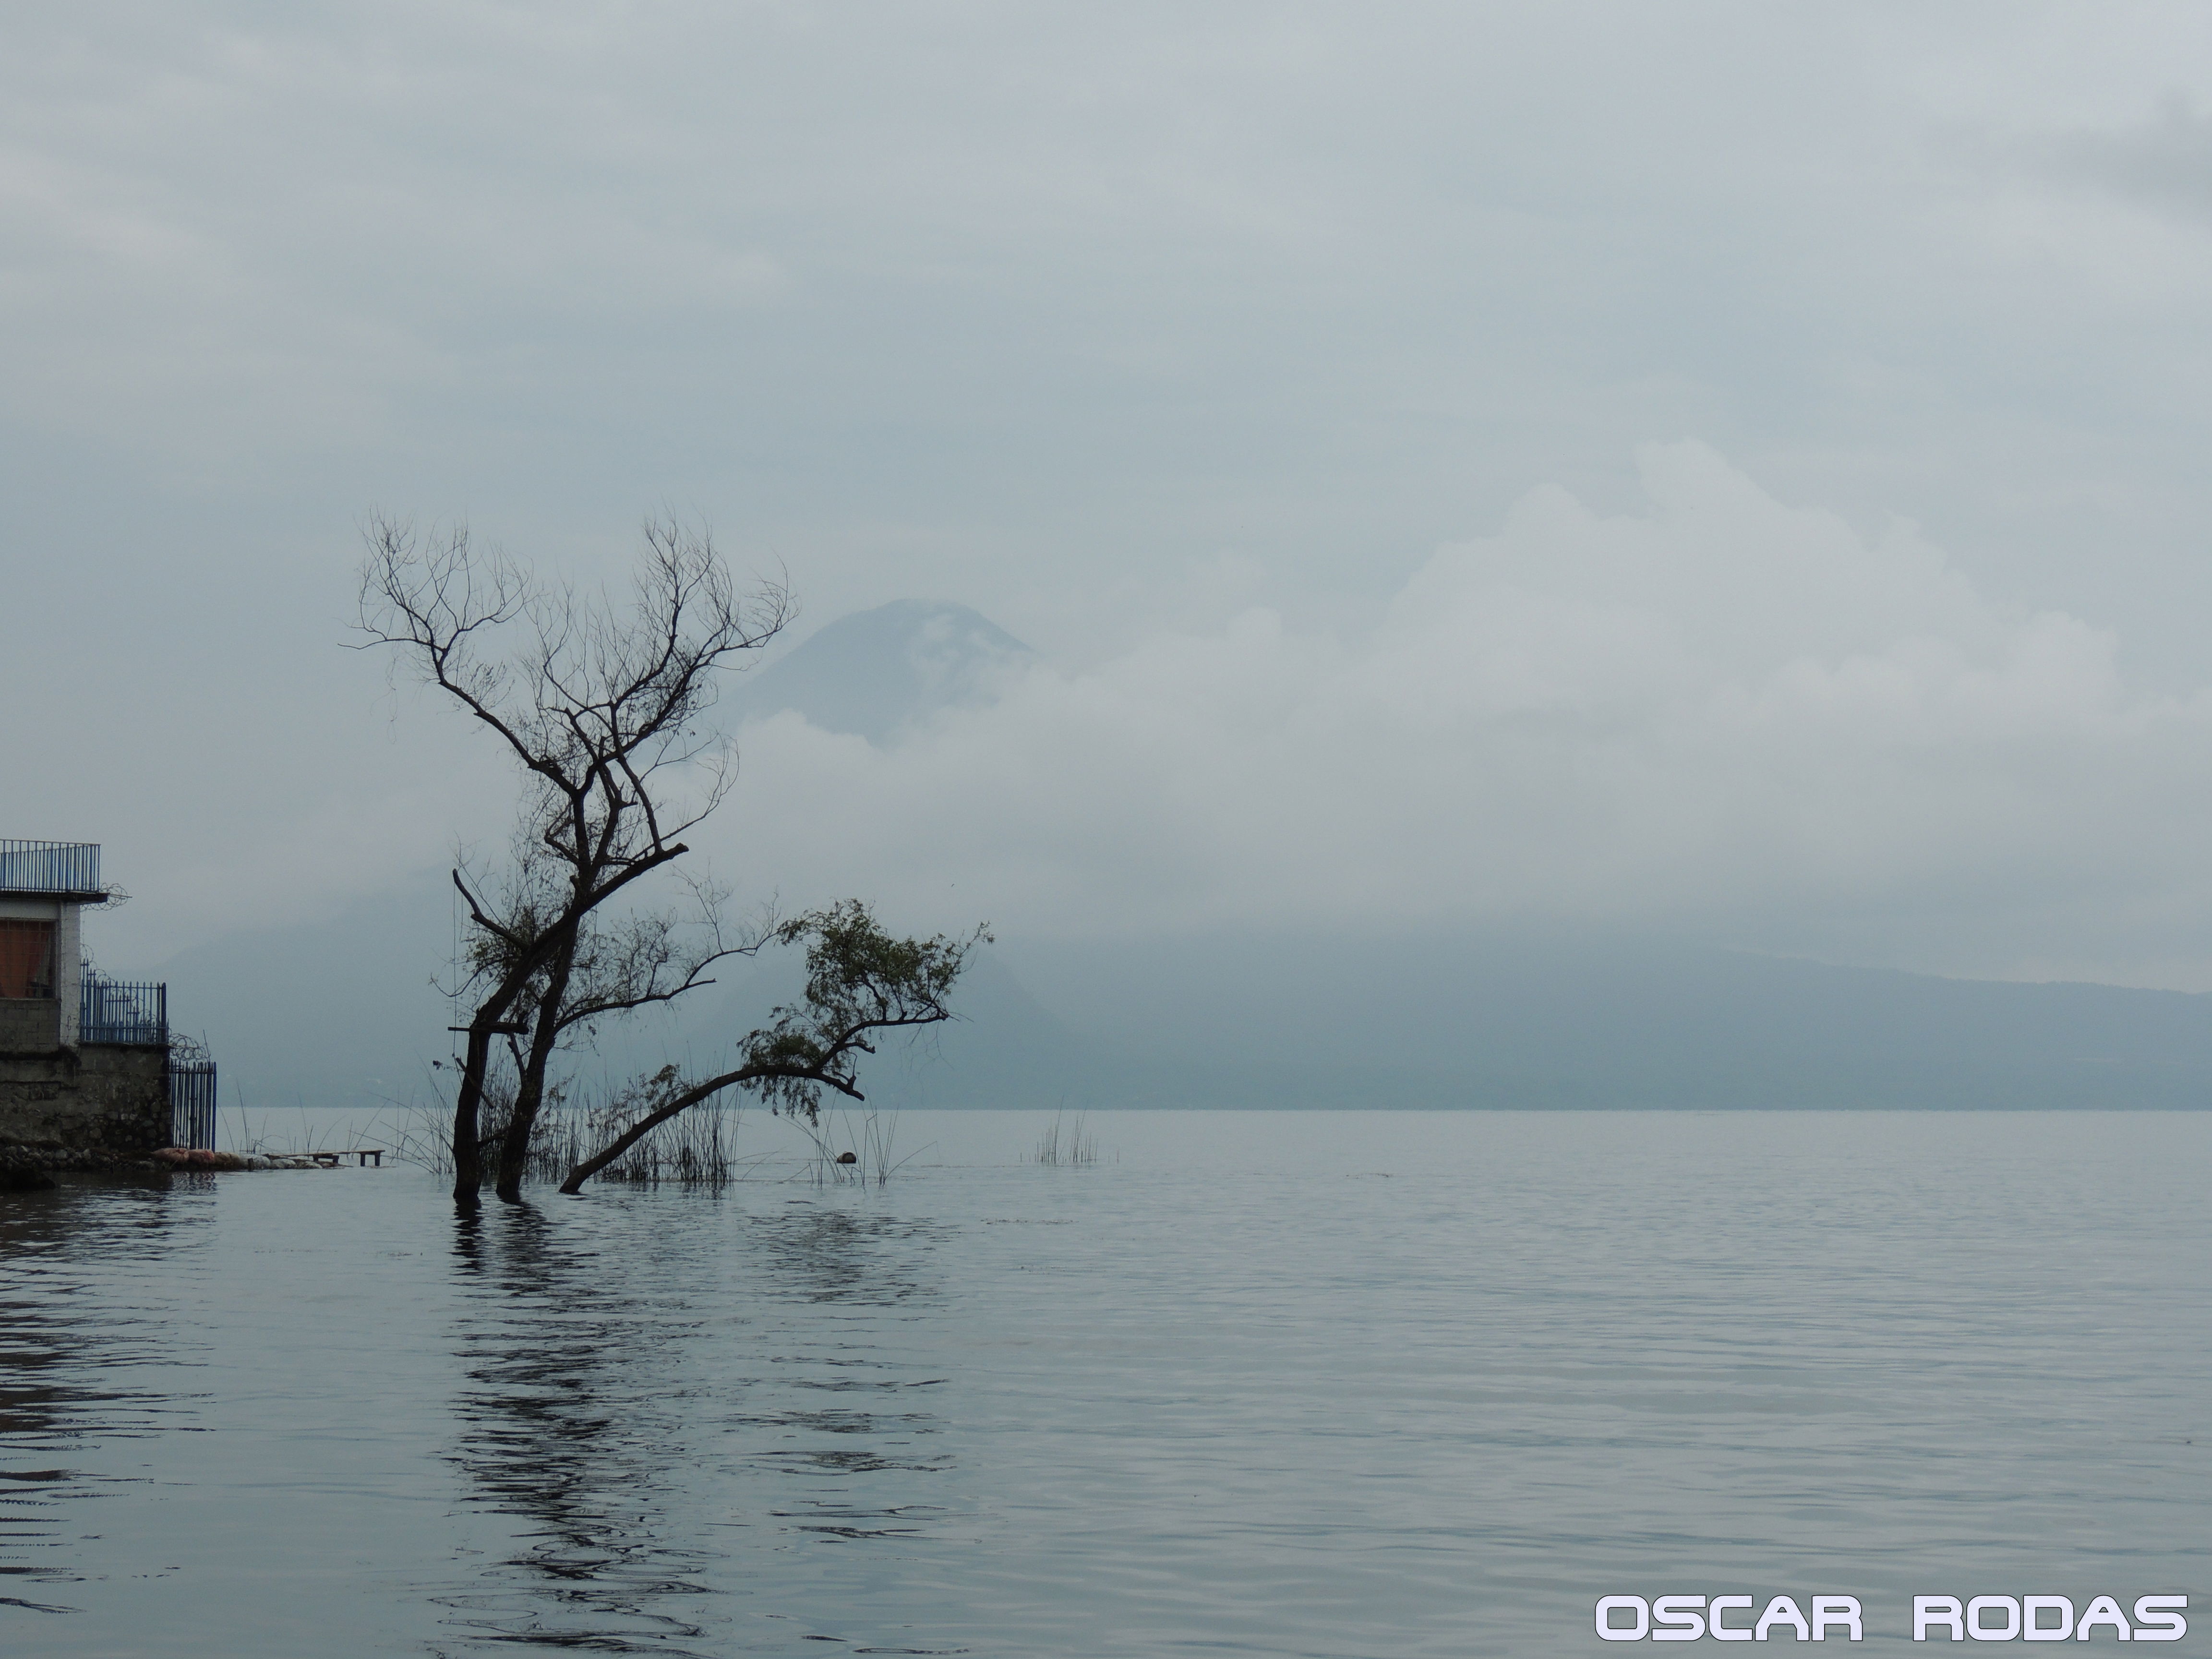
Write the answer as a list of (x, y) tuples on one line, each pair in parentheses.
[(1311, 1383)]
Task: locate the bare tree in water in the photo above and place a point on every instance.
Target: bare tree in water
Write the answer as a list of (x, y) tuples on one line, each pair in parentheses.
[(605, 714)]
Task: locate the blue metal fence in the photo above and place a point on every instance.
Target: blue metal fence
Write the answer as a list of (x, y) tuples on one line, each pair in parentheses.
[(192, 1104), (49, 866), (111, 1012)]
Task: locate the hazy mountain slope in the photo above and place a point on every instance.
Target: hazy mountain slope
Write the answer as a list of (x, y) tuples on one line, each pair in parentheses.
[(1004, 1049), (878, 671), (1533, 1020), (334, 1012), (339, 1012)]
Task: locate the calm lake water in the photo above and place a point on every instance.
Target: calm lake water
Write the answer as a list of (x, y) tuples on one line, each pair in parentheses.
[(1252, 1383)]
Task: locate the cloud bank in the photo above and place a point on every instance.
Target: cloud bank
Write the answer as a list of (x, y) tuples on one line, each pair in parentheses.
[(1716, 712), (1114, 324)]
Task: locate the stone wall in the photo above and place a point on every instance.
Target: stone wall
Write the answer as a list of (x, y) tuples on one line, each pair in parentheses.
[(101, 1107), (29, 1025)]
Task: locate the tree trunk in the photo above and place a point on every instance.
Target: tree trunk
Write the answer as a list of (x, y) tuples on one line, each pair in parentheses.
[(530, 1087), (468, 1170), (645, 1125)]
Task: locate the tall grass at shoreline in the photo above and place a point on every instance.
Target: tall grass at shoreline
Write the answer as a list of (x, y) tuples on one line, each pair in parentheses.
[(697, 1147), (1066, 1143)]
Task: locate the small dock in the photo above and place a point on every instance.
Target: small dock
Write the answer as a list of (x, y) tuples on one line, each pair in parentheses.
[(202, 1157)]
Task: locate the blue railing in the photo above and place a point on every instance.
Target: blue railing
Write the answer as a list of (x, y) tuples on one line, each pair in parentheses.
[(191, 1102), (49, 866), (111, 1012)]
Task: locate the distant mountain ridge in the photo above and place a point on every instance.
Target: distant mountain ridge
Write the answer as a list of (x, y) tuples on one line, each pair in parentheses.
[(1566, 1020), (877, 673), (342, 1012)]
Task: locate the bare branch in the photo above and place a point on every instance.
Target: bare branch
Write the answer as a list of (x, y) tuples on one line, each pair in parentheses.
[(594, 706), (859, 981)]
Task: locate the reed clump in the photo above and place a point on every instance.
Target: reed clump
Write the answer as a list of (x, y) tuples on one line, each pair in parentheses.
[(1066, 1143), (697, 1147), (868, 1156)]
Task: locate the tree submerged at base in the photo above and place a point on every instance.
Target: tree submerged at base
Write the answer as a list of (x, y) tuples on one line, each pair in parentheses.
[(860, 981), (606, 718)]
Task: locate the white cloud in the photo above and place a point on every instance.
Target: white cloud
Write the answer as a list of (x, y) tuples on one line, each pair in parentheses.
[(1717, 712), (1111, 322)]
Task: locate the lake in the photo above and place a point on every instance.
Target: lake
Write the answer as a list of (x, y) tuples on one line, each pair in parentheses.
[(1269, 1383)]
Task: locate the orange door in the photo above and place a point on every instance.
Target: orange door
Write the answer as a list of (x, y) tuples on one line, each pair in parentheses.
[(27, 957)]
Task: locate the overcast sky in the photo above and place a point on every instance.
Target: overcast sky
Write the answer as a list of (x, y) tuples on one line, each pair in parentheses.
[(1736, 468)]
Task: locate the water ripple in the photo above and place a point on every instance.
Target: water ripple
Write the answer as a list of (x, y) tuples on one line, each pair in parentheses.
[(1215, 1398)]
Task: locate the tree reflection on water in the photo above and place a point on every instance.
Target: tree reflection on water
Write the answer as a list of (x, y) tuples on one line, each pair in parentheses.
[(671, 1392)]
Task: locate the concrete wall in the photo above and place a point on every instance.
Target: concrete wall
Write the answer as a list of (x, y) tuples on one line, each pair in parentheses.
[(95, 1108), (69, 968)]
